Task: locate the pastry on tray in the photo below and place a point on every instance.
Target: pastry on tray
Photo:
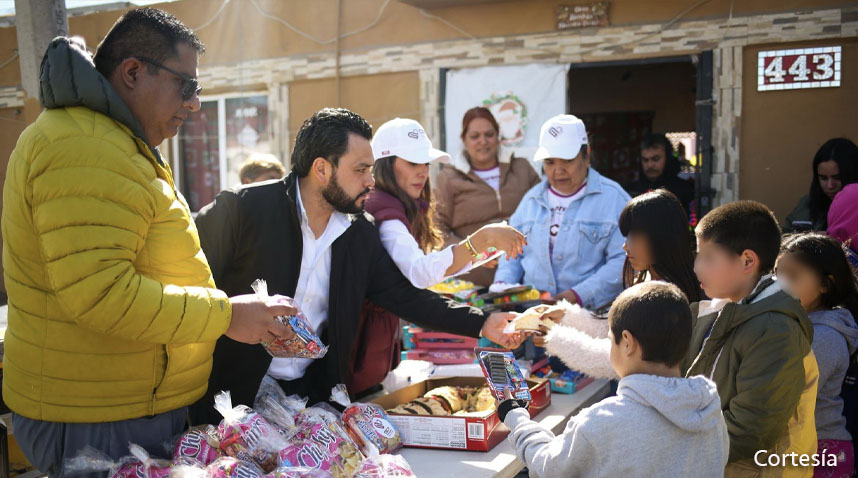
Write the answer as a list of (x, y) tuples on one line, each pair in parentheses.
[(452, 397), (448, 401)]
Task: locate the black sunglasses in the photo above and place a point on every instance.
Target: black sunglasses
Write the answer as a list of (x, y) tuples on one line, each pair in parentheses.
[(190, 86)]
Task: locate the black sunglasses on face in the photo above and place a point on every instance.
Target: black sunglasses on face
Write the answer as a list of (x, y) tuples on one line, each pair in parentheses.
[(190, 86)]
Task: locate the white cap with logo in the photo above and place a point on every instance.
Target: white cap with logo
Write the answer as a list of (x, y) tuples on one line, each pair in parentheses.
[(407, 139), (561, 137)]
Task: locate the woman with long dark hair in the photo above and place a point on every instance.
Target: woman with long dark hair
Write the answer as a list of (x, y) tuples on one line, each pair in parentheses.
[(404, 209), (834, 166), (401, 203), (814, 269), (658, 247), (659, 244)]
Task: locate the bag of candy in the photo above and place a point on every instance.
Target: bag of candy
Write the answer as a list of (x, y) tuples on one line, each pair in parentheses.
[(385, 466), (305, 343), (320, 412), (231, 467), (245, 435), (322, 446), (197, 446), (137, 465), (299, 472), (367, 424), (277, 415)]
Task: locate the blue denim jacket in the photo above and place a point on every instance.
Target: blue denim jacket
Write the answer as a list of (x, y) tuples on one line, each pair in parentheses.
[(588, 251)]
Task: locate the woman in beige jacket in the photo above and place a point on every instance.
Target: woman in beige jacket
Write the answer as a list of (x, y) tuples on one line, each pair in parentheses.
[(480, 186)]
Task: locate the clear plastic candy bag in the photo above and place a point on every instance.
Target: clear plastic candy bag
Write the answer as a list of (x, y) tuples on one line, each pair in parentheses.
[(385, 466), (299, 472), (305, 343), (137, 465), (368, 425), (245, 435)]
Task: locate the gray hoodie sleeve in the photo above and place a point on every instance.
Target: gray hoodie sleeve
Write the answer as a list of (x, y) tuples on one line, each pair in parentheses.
[(832, 354), (547, 455)]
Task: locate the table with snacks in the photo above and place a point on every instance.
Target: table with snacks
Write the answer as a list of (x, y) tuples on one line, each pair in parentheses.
[(501, 460)]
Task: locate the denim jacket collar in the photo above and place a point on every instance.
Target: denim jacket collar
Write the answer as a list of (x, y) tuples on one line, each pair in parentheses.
[(594, 186)]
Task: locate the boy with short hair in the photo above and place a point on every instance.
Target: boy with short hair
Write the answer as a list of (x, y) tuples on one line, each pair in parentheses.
[(753, 340), (659, 424)]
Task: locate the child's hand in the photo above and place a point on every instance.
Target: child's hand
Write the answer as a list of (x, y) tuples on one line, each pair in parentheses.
[(539, 339), (508, 404)]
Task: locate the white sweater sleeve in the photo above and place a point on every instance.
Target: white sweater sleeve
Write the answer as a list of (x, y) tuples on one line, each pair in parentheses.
[(581, 352), (582, 319), (423, 270)]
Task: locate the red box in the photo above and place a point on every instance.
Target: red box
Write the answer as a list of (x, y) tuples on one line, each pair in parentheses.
[(452, 432), (423, 340), (442, 356)]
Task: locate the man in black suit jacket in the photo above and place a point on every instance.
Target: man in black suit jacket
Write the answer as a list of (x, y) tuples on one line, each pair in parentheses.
[(258, 232)]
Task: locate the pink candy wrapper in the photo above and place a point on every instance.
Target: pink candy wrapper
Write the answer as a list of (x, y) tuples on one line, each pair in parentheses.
[(322, 446), (245, 435), (229, 467), (198, 446), (136, 469), (137, 465), (368, 425), (385, 466), (298, 472)]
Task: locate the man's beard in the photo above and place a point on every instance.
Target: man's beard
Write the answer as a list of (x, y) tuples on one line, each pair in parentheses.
[(340, 200)]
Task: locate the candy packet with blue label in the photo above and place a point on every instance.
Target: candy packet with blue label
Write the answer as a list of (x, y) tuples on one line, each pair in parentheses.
[(503, 373), (305, 343)]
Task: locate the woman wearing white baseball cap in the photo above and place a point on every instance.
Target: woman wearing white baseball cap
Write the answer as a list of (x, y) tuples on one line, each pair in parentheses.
[(402, 205), (575, 248)]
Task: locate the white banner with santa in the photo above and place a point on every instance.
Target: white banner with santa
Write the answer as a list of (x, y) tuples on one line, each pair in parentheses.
[(521, 97)]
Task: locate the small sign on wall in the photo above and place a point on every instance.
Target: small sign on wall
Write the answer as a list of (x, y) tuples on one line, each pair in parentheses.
[(584, 15), (798, 68)]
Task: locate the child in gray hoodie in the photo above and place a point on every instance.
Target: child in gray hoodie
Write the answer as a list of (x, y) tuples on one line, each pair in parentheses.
[(814, 269), (659, 424)]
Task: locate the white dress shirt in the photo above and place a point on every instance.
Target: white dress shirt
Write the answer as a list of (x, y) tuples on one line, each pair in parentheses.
[(312, 291), (422, 269)]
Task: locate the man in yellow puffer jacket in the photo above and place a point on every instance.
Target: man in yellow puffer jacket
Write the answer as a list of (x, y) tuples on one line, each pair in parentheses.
[(113, 314)]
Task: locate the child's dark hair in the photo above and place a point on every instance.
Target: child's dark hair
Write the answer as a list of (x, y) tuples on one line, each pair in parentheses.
[(657, 314), (744, 225), (826, 257), (659, 216)]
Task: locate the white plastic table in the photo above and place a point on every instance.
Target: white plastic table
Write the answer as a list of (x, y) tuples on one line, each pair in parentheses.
[(501, 461)]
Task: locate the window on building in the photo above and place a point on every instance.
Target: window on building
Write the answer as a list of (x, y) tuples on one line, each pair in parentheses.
[(214, 142)]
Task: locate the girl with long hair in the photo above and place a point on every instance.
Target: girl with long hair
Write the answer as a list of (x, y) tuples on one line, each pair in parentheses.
[(814, 269), (658, 247), (834, 166), (401, 203)]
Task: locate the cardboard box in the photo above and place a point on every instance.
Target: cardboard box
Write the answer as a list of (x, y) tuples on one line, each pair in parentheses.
[(472, 433)]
